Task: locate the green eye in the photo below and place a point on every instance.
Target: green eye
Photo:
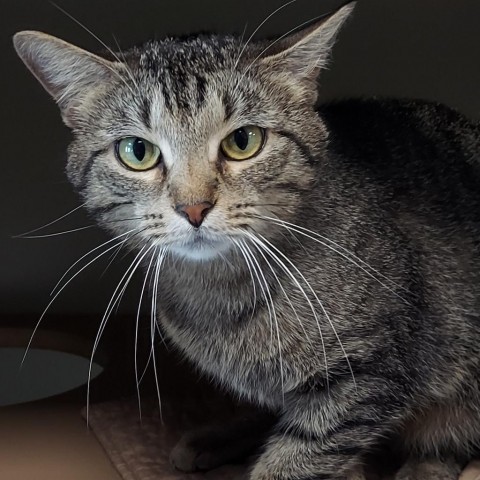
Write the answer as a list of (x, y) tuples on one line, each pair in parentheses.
[(243, 143), (137, 154)]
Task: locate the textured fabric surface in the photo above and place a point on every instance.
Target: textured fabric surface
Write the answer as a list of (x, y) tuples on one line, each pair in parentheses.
[(139, 447)]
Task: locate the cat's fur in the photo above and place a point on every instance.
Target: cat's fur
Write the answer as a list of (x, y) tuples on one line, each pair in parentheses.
[(361, 322)]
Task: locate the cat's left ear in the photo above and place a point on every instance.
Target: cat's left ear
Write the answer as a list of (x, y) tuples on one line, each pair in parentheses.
[(304, 53), (67, 72)]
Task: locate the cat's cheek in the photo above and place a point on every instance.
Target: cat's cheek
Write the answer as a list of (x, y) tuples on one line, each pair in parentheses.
[(235, 169)]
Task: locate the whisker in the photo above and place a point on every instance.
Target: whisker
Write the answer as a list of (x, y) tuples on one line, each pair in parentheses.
[(152, 287), (318, 17), (153, 307), (56, 234), (86, 255), (80, 24), (153, 325), (354, 260), (327, 316), (136, 332), (239, 50), (129, 70), (258, 28), (284, 293), (73, 230), (149, 359), (118, 246), (155, 374), (275, 322), (302, 291), (255, 266), (235, 242), (55, 297), (113, 257), (125, 280), (20, 235)]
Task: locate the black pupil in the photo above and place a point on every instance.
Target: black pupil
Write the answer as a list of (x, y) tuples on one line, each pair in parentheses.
[(139, 149), (241, 138)]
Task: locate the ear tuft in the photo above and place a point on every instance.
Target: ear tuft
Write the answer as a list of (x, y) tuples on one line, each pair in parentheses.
[(306, 52)]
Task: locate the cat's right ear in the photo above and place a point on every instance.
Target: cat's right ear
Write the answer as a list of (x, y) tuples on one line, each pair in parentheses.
[(304, 53), (67, 72)]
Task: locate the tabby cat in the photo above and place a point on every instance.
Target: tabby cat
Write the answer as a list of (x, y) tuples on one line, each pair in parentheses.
[(323, 263)]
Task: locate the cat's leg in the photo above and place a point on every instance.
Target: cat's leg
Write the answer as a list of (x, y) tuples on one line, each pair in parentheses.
[(326, 436), (440, 438), (214, 445), (358, 474), (429, 469)]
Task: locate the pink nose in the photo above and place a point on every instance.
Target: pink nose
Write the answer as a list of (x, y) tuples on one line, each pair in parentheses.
[(194, 213)]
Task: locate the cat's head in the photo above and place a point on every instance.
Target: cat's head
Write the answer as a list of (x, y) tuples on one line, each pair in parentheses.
[(188, 142)]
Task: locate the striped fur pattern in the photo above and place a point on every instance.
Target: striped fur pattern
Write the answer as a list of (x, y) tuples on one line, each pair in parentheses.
[(336, 280)]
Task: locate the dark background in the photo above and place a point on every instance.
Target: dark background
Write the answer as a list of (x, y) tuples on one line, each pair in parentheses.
[(409, 48)]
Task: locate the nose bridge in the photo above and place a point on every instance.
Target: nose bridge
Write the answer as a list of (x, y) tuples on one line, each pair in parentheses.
[(193, 182)]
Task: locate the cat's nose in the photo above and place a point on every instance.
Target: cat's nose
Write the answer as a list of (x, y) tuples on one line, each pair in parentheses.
[(194, 213)]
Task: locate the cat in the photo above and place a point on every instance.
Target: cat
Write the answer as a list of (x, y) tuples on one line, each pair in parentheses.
[(322, 263)]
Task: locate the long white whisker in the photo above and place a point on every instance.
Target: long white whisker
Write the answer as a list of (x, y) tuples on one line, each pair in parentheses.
[(50, 223), (302, 291), (56, 234), (355, 260), (258, 28), (239, 52), (73, 230), (120, 297), (153, 325), (128, 69), (275, 322), (276, 41), (260, 250), (113, 256), (146, 367), (55, 297), (235, 242), (255, 267), (155, 288), (101, 43), (137, 382), (122, 284), (153, 276), (157, 386), (88, 253), (327, 316)]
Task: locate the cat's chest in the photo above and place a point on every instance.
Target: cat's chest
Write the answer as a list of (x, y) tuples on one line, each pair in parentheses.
[(221, 334), (234, 357)]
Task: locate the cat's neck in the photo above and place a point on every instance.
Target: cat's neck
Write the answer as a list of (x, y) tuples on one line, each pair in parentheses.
[(198, 292), (183, 272)]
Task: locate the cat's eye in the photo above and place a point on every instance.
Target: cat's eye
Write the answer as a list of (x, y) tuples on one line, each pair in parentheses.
[(137, 154), (243, 143)]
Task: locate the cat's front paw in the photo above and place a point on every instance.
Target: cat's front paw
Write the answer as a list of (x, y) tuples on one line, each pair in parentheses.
[(432, 469), (264, 471), (189, 455), (212, 446), (267, 471)]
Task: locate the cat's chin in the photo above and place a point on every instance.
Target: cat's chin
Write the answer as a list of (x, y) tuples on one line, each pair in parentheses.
[(203, 252)]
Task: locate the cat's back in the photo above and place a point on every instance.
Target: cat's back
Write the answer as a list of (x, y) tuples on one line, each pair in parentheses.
[(408, 151)]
